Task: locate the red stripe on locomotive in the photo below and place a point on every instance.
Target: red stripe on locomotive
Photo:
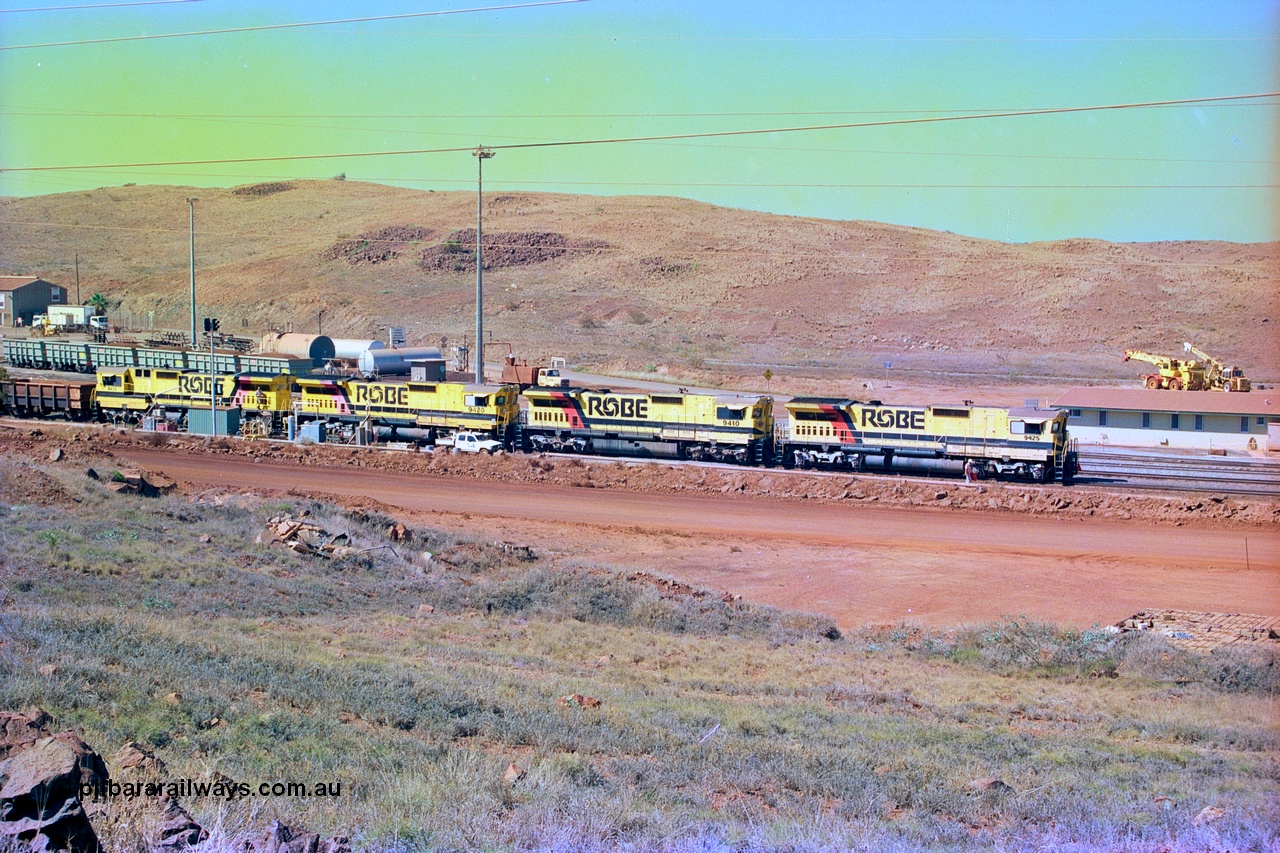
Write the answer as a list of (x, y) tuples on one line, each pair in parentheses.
[(338, 393), (570, 409), (840, 423)]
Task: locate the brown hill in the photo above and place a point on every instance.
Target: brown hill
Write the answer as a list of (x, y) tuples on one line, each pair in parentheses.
[(642, 282)]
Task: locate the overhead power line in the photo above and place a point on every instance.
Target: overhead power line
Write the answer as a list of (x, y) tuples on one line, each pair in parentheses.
[(57, 113), (96, 6), (297, 25), (637, 139)]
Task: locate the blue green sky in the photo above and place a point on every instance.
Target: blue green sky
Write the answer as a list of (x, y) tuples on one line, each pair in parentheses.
[(613, 68)]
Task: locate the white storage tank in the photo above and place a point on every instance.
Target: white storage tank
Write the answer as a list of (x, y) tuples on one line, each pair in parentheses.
[(353, 347), (395, 362)]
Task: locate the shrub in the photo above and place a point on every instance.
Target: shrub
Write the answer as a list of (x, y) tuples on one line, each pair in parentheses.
[(1023, 643), (1147, 654)]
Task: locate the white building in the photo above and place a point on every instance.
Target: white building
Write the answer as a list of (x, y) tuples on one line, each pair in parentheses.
[(1139, 417)]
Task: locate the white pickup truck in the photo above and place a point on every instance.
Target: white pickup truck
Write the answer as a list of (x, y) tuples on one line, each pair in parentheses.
[(469, 442), (549, 377)]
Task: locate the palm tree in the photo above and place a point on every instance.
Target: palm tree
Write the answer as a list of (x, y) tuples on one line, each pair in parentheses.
[(99, 302)]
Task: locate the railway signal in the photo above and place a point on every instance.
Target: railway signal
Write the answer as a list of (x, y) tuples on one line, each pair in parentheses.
[(210, 326)]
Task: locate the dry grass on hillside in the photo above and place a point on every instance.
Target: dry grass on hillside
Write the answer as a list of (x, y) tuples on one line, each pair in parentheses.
[(645, 282), (723, 725)]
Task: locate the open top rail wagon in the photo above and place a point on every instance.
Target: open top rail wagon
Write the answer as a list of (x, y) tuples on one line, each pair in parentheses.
[(42, 398), (87, 357)]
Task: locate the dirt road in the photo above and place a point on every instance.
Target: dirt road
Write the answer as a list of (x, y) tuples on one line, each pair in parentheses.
[(855, 563)]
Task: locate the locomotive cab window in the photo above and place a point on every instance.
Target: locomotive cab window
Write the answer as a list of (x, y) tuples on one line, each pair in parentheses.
[(476, 400), (725, 413), (1024, 428)]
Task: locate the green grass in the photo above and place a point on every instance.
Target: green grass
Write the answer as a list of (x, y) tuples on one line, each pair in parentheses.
[(724, 726)]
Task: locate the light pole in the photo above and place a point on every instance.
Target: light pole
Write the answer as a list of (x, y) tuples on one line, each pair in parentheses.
[(481, 154), (192, 203)]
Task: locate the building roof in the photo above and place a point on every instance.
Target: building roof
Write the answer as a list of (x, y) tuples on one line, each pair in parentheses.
[(1255, 402), (13, 282)]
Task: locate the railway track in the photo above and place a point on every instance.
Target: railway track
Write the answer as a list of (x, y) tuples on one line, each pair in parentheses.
[(1101, 469), (1260, 477)]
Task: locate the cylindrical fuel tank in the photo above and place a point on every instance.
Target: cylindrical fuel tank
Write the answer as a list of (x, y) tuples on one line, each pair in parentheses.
[(318, 348), (352, 347), (394, 362)]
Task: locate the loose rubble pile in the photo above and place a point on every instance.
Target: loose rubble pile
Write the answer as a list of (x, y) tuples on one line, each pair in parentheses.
[(304, 537), (280, 838), (133, 482), (501, 249), (268, 188), (385, 244), (1202, 632), (669, 588)]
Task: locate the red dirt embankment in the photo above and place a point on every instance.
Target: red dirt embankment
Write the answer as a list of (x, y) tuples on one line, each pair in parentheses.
[(858, 549)]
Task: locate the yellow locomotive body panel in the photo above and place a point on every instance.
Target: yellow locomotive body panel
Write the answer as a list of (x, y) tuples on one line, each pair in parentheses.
[(698, 425), (138, 389), (441, 406), (821, 428)]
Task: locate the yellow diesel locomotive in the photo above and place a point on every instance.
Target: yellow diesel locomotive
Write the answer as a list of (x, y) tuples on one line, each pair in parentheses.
[(128, 393), (684, 426), (1018, 443), (438, 408)]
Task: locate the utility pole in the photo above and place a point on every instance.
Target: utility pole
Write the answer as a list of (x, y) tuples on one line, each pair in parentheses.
[(481, 154), (78, 302), (192, 203)]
